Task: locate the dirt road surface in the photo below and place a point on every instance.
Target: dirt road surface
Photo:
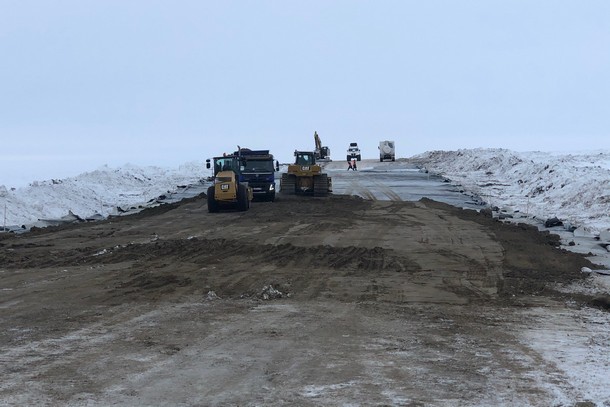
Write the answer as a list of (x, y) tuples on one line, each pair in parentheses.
[(303, 301)]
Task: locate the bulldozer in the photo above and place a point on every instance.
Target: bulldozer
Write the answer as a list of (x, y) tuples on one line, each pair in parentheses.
[(227, 191), (305, 176)]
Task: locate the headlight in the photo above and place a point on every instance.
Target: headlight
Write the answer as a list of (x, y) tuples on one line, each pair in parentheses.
[(271, 187)]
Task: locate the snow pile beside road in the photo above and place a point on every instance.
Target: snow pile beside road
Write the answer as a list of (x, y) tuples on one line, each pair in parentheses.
[(100, 191), (572, 187)]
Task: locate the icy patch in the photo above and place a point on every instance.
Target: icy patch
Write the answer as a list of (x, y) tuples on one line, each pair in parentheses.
[(270, 293), (595, 284), (576, 342), (314, 391), (212, 296)]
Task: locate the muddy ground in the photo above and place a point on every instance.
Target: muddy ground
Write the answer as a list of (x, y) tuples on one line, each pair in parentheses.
[(325, 301)]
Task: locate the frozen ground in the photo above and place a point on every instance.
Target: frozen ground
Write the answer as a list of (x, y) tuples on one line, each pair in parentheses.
[(573, 341)]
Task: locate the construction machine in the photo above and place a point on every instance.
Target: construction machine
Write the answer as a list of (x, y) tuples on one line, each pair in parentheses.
[(353, 152), (227, 191), (322, 153), (387, 150), (305, 176), (258, 170)]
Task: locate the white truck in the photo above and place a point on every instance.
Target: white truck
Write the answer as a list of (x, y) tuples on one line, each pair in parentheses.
[(353, 152), (386, 150)]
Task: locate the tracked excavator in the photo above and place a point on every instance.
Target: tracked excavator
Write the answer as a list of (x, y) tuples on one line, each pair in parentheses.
[(322, 153), (305, 176)]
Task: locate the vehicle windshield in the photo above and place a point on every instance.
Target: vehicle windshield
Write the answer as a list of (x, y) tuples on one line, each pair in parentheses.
[(225, 164), (258, 166), (304, 159)]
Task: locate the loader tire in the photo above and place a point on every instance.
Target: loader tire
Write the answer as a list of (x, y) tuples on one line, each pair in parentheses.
[(320, 185), (212, 203), (243, 203), (288, 185)]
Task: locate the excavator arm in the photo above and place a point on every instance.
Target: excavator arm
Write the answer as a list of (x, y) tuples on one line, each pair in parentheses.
[(317, 140)]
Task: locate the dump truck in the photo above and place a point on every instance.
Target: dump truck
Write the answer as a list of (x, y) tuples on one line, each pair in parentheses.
[(386, 150), (305, 176), (227, 191), (322, 153), (258, 170)]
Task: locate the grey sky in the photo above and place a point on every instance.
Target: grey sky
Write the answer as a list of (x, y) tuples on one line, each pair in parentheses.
[(87, 83)]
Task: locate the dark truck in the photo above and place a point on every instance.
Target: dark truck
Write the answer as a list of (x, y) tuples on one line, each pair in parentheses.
[(258, 170)]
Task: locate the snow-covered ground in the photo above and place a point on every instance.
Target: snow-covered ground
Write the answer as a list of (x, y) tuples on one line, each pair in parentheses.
[(100, 192), (574, 187)]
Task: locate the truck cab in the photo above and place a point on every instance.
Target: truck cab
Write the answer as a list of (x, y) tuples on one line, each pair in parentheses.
[(257, 168)]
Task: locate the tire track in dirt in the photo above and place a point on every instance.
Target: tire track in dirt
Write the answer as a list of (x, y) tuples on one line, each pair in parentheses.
[(204, 251), (172, 268), (387, 191), (355, 188)]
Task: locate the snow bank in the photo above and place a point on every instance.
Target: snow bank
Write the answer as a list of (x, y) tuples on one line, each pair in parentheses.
[(97, 192), (573, 187)]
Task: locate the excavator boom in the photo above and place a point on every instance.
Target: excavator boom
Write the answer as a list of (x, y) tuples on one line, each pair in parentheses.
[(321, 152)]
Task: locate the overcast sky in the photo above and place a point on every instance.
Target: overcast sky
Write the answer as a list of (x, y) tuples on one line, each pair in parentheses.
[(88, 83)]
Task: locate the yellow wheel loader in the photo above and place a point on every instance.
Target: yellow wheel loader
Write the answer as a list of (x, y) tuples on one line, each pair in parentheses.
[(305, 176), (227, 191)]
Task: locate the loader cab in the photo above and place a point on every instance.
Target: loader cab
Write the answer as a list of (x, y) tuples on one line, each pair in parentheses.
[(226, 163)]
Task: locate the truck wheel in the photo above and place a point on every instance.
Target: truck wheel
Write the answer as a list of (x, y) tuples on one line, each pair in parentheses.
[(271, 196), (393, 159), (349, 158), (243, 203), (288, 185), (358, 157), (212, 203), (320, 185)]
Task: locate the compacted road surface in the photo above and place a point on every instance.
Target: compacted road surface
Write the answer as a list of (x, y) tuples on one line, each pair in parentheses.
[(302, 301)]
